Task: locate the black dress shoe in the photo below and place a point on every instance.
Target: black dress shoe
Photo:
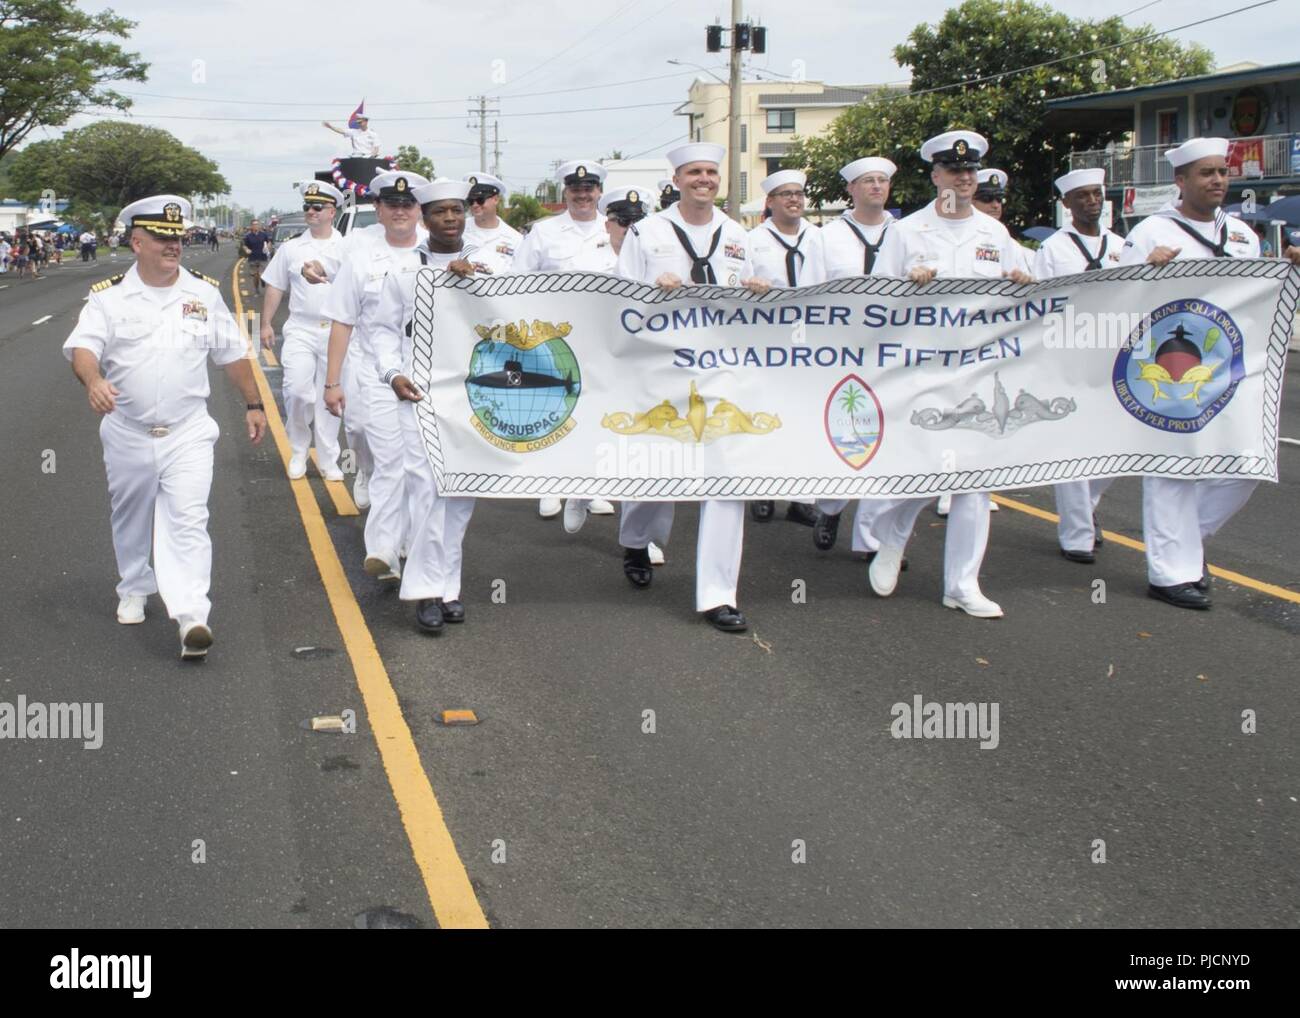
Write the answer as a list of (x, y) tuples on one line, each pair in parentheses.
[(1097, 536), (726, 618), (1203, 584), (797, 512), (428, 615), (1085, 557), (825, 530), (1181, 595), (762, 510), (636, 566), (452, 611)]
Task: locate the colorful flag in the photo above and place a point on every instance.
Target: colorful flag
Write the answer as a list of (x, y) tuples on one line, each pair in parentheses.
[(360, 111)]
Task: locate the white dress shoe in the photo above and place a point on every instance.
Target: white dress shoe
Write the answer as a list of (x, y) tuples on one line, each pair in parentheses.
[(130, 609), (332, 473), (974, 604), (297, 466), (993, 506), (575, 514), (548, 507), (884, 570), (599, 507), (945, 505), (361, 490), (656, 554), (378, 567), (196, 638)]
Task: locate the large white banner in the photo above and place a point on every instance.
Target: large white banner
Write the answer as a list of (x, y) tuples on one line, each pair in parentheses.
[(577, 384)]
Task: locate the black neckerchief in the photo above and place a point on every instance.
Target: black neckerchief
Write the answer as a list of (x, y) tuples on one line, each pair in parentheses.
[(870, 250), (790, 251), (701, 269), (1220, 251), (1093, 263), (424, 253)]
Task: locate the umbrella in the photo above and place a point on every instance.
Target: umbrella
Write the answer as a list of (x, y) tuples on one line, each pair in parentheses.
[(1286, 209), (1038, 233), (1258, 216)]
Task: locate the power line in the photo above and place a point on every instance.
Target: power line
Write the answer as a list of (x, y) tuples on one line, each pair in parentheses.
[(555, 56), (391, 120)]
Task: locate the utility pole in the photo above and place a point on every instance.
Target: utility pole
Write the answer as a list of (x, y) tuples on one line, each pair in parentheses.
[(496, 149), (733, 124), (481, 111)]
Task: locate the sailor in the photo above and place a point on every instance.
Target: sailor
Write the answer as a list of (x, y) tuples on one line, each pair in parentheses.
[(431, 577), (352, 306), (691, 242), (990, 198), (786, 251), (141, 348), (622, 208), (1082, 245), (304, 355), (364, 142), (574, 241), (951, 239), (493, 239), (668, 193), (1179, 513), (851, 244)]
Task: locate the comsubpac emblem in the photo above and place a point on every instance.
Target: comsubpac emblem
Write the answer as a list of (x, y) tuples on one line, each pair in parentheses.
[(523, 384)]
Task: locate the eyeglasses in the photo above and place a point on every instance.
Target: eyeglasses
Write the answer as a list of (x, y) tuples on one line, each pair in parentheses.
[(309, 207), (782, 195)]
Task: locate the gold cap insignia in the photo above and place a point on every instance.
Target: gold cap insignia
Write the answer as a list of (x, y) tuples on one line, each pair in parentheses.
[(473, 181), (401, 184), (580, 172), (961, 148), (313, 189), (633, 197), (172, 212)]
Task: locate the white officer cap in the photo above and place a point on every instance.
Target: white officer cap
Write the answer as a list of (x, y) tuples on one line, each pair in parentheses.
[(163, 215), (1094, 177), (995, 179), (483, 181), (1196, 148), (696, 152), (318, 191), (958, 149), (634, 198), (668, 192), (578, 171), (783, 177), (871, 164), (396, 184), (441, 189)]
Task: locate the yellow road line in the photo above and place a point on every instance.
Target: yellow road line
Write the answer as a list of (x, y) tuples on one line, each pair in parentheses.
[(445, 879), (1272, 589), (338, 492)]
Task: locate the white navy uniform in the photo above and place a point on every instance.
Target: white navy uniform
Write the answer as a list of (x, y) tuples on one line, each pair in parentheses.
[(1179, 513), (153, 346), (437, 522), (354, 300), (305, 352), (496, 247), (363, 142), (564, 244), (651, 249), (1066, 253), (770, 250), (978, 246)]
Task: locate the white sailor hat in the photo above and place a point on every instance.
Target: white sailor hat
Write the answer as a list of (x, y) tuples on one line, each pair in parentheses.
[(634, 199), (581, 171), (483, 184), (319, 191), (992, 183), (782, 177), (870, 164), (396, 184), (1093, 177), (1196, 148), (959, 149), (441, 189), (163, 215), (696, 152)]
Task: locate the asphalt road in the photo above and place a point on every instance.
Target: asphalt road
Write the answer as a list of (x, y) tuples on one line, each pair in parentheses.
[(1118, 721)]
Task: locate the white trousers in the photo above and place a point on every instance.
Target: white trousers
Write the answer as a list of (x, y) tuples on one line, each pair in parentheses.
[(354, 410), (158, 489), (1076, 501), (438, 523), (964, 543), (387, 522), (864, 519), (304, 356), (1177, 515), (717, 550)]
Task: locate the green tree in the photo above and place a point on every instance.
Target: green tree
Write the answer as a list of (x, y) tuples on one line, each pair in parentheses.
[(523, 211), (961, 78), (409, 158), (107, 165), (55, 61)]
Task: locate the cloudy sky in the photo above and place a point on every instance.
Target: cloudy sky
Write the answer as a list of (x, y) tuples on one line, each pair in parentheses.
[(248, 83)]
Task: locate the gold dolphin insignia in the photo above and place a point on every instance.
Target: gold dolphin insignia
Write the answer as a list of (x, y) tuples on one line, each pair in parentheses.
[(523, 336), (698, 423)]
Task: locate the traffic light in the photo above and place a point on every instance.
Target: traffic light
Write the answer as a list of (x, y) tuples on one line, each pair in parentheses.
[(740, 38), (759, 42), (713, 38)]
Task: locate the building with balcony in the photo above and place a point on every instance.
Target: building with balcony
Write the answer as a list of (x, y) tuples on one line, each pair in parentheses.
[(1257, 108)]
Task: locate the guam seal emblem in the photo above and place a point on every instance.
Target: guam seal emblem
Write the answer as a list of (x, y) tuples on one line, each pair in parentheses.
[(523, 384), (855, 422), (1180, 366)]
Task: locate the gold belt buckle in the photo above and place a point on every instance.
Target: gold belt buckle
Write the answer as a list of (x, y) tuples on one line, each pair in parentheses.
[(158, 431)]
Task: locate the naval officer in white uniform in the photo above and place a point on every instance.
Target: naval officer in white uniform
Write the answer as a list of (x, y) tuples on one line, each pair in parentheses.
[(691, 242), (495, 240), (948, 238), (141, 348)]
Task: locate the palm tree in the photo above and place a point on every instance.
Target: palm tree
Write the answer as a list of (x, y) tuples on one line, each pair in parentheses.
[(851, 400)]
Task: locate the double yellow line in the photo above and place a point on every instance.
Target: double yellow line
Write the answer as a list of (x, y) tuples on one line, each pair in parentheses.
[(450, 894)]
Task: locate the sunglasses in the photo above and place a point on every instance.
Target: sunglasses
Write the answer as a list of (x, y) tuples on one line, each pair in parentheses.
[(782, 195), (313, 207)]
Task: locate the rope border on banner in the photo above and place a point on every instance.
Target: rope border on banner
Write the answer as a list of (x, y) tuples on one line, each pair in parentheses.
[(998, 478)]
